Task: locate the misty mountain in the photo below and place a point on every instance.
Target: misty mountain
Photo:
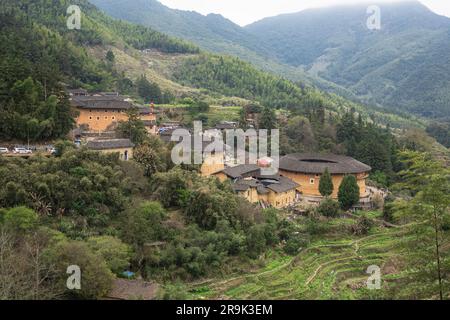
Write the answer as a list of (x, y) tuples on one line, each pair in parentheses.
[(404, 66), (212, 32)]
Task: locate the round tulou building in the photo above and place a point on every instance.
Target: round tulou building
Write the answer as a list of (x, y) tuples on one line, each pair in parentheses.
[(306, 170)]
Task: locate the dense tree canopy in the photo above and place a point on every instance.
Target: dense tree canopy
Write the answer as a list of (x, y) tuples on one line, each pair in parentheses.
[(348, 194), (326, 184)]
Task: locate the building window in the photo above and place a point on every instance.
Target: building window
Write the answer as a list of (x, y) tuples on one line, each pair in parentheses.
[(90, 110), (311, 181), (106, 118), (113, 118), (106, 110), (90, 118), (98, 118)]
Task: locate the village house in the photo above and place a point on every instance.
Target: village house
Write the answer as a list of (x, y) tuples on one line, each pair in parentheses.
[(298, 178), (77, 92), (226, 125), (268, 191), (102, 113), (306, 170), (124, 147)]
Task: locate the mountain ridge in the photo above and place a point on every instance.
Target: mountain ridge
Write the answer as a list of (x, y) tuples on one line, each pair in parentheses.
[(330, 48)]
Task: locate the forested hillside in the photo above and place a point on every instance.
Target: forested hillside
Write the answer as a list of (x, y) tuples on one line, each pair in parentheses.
[(212, 32), (148, 222), (403, 65), (233, 77), (40, 54)]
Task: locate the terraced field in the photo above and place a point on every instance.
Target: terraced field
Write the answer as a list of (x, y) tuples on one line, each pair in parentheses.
[(334, 269)]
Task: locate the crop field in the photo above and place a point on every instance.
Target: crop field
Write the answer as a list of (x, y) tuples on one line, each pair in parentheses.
[(326, 269)]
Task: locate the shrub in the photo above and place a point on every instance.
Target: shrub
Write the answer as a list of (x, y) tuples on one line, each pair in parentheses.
[(378, 201), (326, 184), (20, 219), (315, 227), (362, 226), (96, 278), (295, 243), (329, 208), (389, 209), (256, 240), (115, 252), (348, 194)]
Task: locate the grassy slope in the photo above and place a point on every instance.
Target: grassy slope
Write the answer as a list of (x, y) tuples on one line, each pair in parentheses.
[(159, 67), (332, 267)]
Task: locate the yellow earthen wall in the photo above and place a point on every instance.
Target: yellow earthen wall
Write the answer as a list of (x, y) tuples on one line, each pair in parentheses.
[(276, 200), (281, 200), (213, 165), (101, 119), (308, 189)]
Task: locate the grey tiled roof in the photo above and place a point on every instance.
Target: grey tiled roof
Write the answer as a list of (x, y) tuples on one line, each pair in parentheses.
[(109, 144), (277, 184), (77, 91), (101, 102), (237, 187), (262, 190), (284, 184), (242, 170), (317, 163), (225, 126)]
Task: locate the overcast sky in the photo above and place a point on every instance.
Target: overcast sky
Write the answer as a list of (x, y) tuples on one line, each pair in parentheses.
[(244, 12)]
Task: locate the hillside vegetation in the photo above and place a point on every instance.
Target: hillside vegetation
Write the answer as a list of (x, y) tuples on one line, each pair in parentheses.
[(41, 57), (39, 54), (401, 67)]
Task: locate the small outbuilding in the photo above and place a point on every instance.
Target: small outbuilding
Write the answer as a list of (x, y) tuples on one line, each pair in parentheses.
[(124, 147)]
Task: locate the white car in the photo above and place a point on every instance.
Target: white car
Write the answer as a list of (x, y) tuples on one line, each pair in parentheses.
[(4, 150), (22, 151)]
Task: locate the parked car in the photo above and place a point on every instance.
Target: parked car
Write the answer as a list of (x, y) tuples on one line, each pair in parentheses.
[(52, 151), (22, 150), (4, 150)]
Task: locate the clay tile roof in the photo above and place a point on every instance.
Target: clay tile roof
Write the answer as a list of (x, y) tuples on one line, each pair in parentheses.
[(277, 184), (242, 170), (317, 163), (262, 190), (240, 187), (77, 91), (109, 144), (283, 185), (100, 102), (225, 126)]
